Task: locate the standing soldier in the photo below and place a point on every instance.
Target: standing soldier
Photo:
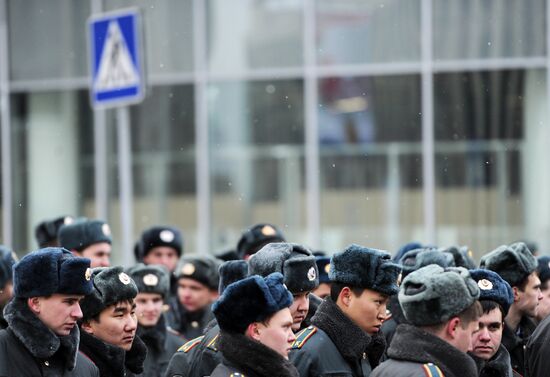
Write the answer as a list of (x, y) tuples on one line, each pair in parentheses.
[(495, 297), (89, 239), (256, 328), (7, 260), (109, 324), (160, 245), (42, 334), (162, 342), (46, 232), (441, 305), (517, 265), (344, 339)]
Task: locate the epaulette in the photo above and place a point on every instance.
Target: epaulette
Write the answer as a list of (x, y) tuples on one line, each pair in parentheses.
[(432, 370), (303, 336), (213, 344), (190, 344)]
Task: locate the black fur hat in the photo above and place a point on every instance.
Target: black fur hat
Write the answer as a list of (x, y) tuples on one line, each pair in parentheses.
[(512, 262), (230, 272), (432, 295), (46, 231), (151, 278), (252, 299), (255, 238), (158, 236), (7, 260), (418, 258), (51, 270), (111, 285), (295, 262), (323, 265), (543, 268), (493, 287), (83, 233), (363, 267), (462, 255), (202, 268)]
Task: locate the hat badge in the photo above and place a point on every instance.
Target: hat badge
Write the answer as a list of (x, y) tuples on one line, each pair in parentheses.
[(188, 269), (88, 274), (167, 236), (151, 280), (68, 220), (124, 279), (327, 268), (311, 274), (268, 230), (106, 229), (485, 284)]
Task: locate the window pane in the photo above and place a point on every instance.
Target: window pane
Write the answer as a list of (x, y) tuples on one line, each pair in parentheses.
[(359, 31), (257, 158), (474, 29), (371, 164), (48, 40), (239, 38)]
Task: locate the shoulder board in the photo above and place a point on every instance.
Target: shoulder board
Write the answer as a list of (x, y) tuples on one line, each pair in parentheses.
[(190, 344), (213, 344), (432, 370), (303, 336)]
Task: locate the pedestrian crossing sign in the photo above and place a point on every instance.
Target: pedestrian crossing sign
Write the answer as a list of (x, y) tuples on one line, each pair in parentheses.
[(116, 62)]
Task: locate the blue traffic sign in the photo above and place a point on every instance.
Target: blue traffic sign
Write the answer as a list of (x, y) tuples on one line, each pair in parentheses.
[(116, 61)]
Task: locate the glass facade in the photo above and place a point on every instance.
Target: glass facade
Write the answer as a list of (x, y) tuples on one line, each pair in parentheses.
[(318, 116)]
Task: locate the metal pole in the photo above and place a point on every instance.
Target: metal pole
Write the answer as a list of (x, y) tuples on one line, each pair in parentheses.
[(126, 192)]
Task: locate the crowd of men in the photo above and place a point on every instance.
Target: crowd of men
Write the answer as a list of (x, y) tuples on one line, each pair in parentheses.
[(268, 307)]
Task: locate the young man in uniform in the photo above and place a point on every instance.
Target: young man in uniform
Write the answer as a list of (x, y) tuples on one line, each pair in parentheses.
[(516, 264), (160, 245), (345, 338), (442, 309), (495, 297), (109, 324), (42, 334), (256, 328), (89, 239), (161, 341)]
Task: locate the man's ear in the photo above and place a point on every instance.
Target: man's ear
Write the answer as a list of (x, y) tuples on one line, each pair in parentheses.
[(253, 331), (34, 304), (452, 326), (86, 326), (516, 291), (344, 297)]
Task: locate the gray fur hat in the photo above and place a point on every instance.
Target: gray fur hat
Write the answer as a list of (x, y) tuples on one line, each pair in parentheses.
[(111, 285), (295, 262), (83, 233), (202, 268), (363, 267), (432, 295), (512, 262), (151, 278), (418, 258)]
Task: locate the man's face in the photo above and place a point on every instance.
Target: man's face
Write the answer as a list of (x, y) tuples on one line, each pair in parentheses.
[(98, 253), (148, 308), (464, 336), (194, 295), (277, 333), (6, 294), (486, 341), (528, 299), (116, 325), (299, 309), (322, 291), (163, 255), (543, 310), (58, 312), (367, 310)]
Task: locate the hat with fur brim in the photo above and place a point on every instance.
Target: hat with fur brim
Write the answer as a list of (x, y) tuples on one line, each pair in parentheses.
[(83, 233), (418, 258), (150, 278), (230, 272), (494, 288), (512, 262)]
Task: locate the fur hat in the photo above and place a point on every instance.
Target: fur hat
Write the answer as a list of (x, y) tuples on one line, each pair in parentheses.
[(158, 236), (256, 237), (418, 258), (512, 262), (202, 268), (433, 294), (230, 272), (7, 260), (294, 261), (150, 278), (362, 267), (406, 248), (111, 285), (323, 265), (494, 288), (51, 270), (250, 300), (83, 233), (543, 268), (46, 231)]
